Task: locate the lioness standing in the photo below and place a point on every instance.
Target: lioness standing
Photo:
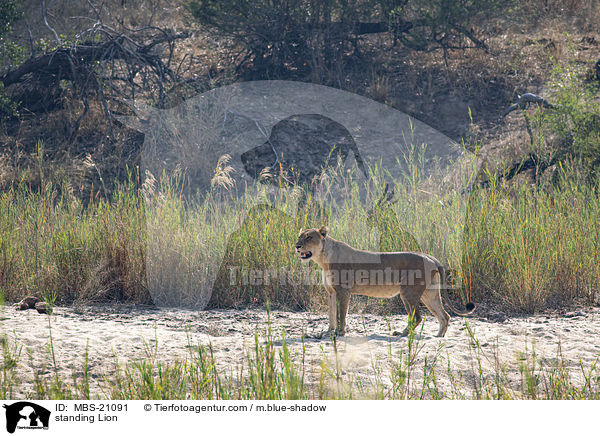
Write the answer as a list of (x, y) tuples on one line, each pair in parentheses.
[(346, 271)]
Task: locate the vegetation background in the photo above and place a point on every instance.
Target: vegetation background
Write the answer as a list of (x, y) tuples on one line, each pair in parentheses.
[(73, 221)]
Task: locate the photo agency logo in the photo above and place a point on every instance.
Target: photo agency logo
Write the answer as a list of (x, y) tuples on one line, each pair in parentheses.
[(337, 277), (231, 176), (25, 415)]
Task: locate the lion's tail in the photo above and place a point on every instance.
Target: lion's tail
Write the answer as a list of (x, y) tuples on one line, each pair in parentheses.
[(470, 306)]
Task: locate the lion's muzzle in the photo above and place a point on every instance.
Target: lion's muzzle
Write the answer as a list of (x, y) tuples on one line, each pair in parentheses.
[(304, 255)]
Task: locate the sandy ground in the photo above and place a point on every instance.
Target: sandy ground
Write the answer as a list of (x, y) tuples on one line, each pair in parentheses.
[(126, 334)]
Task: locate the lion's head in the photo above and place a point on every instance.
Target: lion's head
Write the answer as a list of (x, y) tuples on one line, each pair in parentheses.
[(310, 243)]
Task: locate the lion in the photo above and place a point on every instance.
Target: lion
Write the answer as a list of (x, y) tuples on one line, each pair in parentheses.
[(348, 271)]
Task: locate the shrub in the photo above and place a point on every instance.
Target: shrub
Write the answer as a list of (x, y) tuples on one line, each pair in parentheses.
[(10, 11), (576, 119), (297, 37)]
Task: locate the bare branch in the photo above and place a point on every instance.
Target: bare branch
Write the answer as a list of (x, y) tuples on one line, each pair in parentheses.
[(100, 56), (44, 14)]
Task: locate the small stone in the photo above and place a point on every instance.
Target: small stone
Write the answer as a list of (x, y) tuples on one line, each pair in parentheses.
[(42, 307)]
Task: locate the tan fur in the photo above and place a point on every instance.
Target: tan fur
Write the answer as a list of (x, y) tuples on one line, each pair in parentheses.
[(338, 259)]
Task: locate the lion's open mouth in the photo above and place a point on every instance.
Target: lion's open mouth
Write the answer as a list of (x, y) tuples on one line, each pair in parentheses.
[(306, 255)]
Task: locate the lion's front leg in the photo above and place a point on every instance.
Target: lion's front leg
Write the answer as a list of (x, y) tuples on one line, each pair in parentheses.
[(332, 310), (343, 301)]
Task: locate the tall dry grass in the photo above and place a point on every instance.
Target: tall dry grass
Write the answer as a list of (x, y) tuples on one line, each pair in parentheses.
[(524, 247)]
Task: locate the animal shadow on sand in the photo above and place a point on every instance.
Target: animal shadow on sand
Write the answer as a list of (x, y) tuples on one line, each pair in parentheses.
[(357, 339)]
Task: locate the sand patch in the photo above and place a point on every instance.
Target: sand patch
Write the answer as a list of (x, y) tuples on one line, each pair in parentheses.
[(366, 354)]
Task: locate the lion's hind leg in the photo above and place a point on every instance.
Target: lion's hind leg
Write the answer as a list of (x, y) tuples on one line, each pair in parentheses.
[(411, 304), (433, 300)]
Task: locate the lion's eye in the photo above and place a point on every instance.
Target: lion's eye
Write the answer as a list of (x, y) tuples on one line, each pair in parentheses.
[(308, 238)]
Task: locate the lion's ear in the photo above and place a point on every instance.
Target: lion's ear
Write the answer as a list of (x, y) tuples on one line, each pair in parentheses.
[(323, 231)]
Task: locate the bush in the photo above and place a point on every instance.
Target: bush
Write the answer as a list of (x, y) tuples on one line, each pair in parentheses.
[(576, 120), (297, 37), (281, 37), (10, 11), (445, 24)]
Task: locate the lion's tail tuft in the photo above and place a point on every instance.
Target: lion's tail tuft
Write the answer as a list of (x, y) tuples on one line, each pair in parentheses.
[(470, 306)]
